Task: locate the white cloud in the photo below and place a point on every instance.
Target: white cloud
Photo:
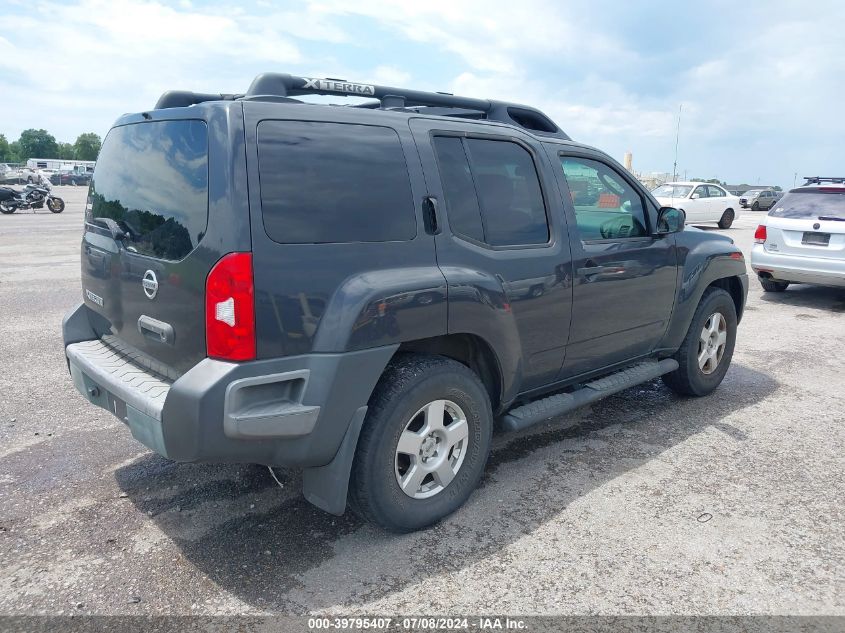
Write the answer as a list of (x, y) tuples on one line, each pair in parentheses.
[(764, 99), (390, 76), (96, 59)]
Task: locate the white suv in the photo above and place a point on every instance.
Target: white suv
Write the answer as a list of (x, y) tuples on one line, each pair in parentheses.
[(802, 239)]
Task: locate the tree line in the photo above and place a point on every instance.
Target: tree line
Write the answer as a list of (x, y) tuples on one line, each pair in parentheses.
[(41, 144), (716, 181)]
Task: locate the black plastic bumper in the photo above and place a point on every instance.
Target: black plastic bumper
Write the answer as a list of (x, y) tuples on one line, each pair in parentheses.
[(292, 411)]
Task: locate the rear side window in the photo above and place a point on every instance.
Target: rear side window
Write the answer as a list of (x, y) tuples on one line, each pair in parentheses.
[(151, 180), (492, 191), (458, 189), (333, 182)]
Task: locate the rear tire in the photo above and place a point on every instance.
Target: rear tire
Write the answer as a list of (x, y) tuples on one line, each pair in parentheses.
[(727, 219), (6, 210), (387, 485), (711, 339), (770, 285)]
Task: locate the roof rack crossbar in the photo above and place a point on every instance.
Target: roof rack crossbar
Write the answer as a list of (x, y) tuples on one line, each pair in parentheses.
[(283, 85), (817, 180)]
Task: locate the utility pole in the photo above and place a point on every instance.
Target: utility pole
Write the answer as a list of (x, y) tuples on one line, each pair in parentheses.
[(794, 178), (677, 138)]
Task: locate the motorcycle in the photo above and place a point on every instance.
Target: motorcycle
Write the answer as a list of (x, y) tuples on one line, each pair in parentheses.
[(31, 197)]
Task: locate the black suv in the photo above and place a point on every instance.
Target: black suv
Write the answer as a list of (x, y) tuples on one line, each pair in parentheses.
[(366, 291)]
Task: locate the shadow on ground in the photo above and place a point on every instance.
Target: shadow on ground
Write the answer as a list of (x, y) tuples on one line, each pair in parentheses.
[(292, 557), (804, 296)]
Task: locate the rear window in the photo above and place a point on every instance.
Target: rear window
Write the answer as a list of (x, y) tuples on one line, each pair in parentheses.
[(333, 182), (810, 205), (152, 180), (671, 191)]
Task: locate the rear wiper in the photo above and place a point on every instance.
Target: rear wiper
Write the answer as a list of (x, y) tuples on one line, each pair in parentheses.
[(831, 218)]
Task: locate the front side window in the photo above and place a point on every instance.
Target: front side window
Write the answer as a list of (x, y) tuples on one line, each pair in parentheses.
[(716, 192), (492, 191), (701, 191), (606, 206), (151, 180), (333, 182)]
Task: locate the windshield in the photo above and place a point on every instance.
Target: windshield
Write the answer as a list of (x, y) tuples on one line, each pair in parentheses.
[(752, 193), (810, 204), (672, 191), (152, 180)]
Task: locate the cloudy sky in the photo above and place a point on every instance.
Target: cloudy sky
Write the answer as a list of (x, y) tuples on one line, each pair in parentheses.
[(762, 83)]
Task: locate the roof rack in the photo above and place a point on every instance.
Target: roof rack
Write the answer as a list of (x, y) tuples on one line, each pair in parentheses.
[(281, 86), (817, 180)]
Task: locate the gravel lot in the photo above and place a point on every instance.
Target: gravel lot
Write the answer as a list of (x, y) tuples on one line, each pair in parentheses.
[(645, 503)]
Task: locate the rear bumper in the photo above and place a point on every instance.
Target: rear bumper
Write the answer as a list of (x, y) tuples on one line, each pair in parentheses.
[(797, 269), (291, 411)]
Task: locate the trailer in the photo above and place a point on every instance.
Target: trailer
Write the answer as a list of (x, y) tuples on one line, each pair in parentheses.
[(58, 164)]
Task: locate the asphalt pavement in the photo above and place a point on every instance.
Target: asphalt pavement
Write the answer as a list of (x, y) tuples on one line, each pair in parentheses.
[(645, 503)]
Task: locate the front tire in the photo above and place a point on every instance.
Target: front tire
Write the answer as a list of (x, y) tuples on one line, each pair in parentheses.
[(705, 355), (56, 205), (424, 444), (727, 219), (770, 285), (755, 206)]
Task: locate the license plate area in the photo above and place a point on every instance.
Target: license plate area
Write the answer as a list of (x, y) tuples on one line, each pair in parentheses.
[(816, 239)]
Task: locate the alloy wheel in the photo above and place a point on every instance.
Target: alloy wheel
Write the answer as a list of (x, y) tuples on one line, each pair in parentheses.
[(712, 342), (431, 449)]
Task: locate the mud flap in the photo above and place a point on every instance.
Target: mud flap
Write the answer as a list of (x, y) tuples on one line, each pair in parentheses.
[(326, 486)]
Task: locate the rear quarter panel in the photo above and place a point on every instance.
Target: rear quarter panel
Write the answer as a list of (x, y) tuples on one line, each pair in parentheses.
[(337, 297)]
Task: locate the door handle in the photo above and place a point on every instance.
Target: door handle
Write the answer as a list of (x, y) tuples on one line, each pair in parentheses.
[(155, 330), (589, 272), (430, 215)]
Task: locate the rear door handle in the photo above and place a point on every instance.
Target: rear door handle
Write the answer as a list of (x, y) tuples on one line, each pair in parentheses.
[(155, 330), (591, 271), (432, 226)]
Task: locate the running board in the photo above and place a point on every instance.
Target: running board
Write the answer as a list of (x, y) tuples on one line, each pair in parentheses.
[(540, 410)]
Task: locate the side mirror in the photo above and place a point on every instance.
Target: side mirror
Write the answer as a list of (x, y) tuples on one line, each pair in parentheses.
[(670, 220), (695, 196)]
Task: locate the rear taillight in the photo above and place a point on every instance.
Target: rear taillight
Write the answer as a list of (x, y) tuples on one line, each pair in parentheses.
[(760, 234), (230, 309)]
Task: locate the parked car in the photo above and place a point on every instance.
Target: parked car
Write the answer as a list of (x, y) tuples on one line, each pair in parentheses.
[(71, 177), (702, 202), (759, 199), (384, 287), (802, 240), (15, 175), (44, 175)]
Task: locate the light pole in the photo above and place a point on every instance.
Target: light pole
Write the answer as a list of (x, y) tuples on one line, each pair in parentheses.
[(677, 138)]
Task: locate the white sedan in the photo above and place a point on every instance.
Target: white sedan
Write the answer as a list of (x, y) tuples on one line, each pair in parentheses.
[(702, 202), (802, 239)]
